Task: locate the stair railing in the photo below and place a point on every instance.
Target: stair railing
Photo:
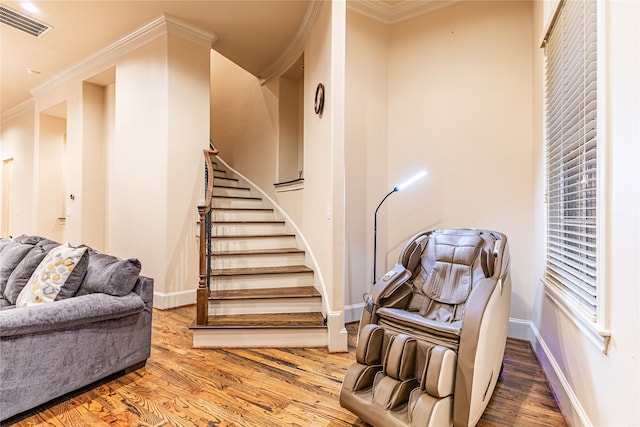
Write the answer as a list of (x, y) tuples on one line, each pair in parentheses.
[(205, 212)]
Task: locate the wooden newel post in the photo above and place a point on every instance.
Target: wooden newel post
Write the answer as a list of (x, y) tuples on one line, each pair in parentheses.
[(202, 295)]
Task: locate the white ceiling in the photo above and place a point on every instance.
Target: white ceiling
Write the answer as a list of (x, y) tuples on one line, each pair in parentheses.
[(252, 33)]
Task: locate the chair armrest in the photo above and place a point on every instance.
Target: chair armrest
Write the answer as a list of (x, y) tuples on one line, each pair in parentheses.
[(390, 291), (67, 313), (386, 289), (481, 351)]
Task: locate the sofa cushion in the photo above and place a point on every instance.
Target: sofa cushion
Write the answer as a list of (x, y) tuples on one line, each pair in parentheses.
[(57, 277), (10, 257), (4, 241), (23, 272), (28, 240), (47, 244), (110, 275)]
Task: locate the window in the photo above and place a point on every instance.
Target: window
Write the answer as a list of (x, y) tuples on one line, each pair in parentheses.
[(572, 159)]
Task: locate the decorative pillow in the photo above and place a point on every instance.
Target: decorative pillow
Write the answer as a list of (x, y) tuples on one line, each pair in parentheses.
[(57, 277), (22, 273), (10, 257), (110, 275)]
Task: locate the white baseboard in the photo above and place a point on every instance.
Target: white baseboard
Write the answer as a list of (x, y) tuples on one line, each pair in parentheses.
[(165, 301), (567, 400), (353, 313)]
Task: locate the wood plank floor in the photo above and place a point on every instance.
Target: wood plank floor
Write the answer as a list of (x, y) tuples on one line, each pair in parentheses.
[(181, 386)]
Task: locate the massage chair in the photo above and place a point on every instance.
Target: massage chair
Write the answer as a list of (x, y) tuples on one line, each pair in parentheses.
[(433, 332)]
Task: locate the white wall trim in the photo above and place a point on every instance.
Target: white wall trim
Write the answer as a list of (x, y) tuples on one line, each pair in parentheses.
[(338, 335), (107, 56), (569, 404), (295, 48), (187, 31), (19, 109), (353, 312), (164, 300), (398, 12)]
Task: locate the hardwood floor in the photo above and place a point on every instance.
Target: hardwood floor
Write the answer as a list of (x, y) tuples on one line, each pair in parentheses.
[(182, 386)]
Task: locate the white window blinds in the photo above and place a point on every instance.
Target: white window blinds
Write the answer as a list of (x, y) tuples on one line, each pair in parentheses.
[(571, 154)]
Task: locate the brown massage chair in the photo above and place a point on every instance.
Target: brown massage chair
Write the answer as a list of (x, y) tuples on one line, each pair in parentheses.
[(433, 333)]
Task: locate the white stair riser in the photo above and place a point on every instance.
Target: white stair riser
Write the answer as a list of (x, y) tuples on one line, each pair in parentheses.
[(260, 281), (238, 244), (219, 174), (228, 182), (250, 261), (234, 192), (293, 337), (243, 215), (237, 203), (221, 229), (265, 306)]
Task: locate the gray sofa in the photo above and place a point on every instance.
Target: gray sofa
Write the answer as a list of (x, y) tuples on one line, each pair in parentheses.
[(97, 328)]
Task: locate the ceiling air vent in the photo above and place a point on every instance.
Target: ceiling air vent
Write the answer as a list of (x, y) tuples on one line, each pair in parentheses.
[(22, 22)]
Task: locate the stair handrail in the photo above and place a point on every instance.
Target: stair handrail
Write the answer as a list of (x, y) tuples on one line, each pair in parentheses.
[(205, 212)]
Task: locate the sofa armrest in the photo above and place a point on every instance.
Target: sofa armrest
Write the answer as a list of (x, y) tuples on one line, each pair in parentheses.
[(144, 288), (68, 313)]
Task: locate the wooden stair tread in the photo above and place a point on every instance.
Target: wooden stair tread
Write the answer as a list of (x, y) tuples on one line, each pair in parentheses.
[(265, 293), (248, 271), (224, 177), (236, 197), (264, 321), (229, 187), (242, 209), (252, 236), (246, 222), (249, 252)]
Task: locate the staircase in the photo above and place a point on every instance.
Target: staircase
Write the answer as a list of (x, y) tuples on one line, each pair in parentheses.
[(262, 293)]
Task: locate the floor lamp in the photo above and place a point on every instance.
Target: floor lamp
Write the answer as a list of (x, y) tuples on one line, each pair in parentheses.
[(375, 216)]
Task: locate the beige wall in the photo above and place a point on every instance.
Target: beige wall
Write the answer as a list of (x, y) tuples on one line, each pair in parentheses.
[(188, 130), (17, 142), (162, 111), (244, 127), (449, 92), (52, 184), (138, 187), (134, 146), (367, 128), (244, 121), (595, 389), (288, 129), (324, 159), (460, 106), (94, 159)]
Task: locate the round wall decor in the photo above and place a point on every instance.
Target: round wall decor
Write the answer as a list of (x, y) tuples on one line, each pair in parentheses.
[(319, 101)]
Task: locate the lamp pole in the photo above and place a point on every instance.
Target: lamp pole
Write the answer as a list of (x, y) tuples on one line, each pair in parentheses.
[(375, 215), (375, 230)]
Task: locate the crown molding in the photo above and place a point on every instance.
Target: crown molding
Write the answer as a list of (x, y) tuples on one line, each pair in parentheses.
[(17, 110), (105, 57), (295, 48), (187, 31), (393, 13)]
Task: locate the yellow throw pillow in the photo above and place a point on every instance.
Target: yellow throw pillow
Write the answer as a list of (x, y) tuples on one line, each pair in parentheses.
[(50, 277)]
